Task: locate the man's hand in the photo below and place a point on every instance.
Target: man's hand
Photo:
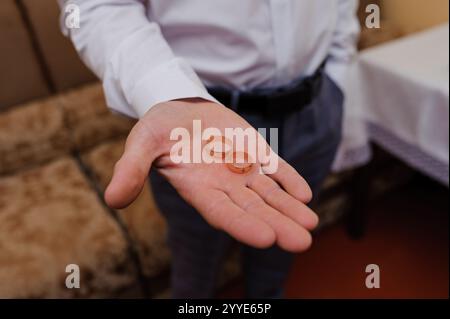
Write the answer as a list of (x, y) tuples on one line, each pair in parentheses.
[(256, 209)]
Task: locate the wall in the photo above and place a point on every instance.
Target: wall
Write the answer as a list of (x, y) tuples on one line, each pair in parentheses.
[(415, 15)]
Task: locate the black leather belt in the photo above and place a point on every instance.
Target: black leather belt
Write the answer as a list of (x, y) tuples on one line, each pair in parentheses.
[(284, 100)]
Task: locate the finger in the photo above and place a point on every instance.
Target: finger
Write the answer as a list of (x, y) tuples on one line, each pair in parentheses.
[(291, 181), (220, 211), (290, 236), (132, 169), (276, 197)]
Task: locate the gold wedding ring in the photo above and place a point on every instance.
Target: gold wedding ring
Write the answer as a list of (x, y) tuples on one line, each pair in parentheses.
[(240, 163), (219, 146)]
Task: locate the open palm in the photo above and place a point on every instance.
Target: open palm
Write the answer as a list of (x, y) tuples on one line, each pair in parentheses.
[(256, 209)]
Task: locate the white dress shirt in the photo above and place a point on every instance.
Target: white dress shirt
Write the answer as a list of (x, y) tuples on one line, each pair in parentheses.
[(147, 52)]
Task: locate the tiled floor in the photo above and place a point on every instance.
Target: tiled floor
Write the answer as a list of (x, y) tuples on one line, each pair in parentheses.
[(407, 238)]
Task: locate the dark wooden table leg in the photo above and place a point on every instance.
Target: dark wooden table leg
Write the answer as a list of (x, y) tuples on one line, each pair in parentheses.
[(360, 189)]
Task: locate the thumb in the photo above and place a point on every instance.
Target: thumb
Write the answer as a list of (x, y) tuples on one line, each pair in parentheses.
[(131, 171)]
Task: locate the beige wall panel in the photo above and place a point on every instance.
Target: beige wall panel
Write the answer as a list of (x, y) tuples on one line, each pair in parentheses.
[(415, 15)]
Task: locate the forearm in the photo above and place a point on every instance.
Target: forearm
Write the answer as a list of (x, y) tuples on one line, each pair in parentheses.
[(130, 55)]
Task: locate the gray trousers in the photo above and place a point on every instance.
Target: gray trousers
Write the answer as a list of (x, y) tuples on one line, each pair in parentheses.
[(308, 140)]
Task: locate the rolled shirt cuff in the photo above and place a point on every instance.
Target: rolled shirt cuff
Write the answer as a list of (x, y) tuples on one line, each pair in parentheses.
[(169, 81)]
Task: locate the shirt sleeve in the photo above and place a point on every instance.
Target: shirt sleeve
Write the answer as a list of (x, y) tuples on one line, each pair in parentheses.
[(128, 53), (343, 47)]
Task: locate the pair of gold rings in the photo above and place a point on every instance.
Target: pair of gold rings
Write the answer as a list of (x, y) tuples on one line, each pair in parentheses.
[(222, 148)]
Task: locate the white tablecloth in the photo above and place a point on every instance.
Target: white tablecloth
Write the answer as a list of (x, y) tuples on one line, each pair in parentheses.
[(398, 97)]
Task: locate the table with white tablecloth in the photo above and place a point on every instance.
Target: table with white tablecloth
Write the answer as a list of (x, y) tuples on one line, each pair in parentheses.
[(398, 98)]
